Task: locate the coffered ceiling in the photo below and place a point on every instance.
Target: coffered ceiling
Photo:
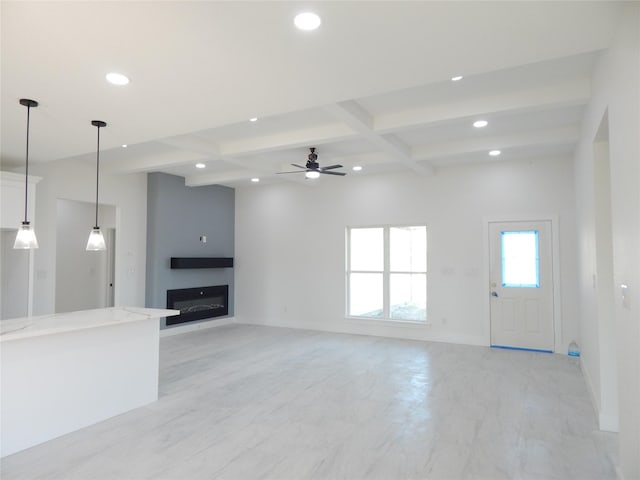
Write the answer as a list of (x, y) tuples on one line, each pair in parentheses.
[(371, 87)]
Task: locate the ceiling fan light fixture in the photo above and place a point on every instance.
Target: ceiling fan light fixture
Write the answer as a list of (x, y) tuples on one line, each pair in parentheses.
[(313, 169), (307, 21)]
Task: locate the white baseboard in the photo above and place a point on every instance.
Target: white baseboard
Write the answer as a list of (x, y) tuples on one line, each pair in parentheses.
[(385, 329), (609, 423), (594, 399), (606, 422), (166, 332)]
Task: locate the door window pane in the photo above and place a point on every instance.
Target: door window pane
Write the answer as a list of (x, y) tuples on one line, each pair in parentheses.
[(367, 249), (365, 295), (520, 259), (408, 249), (408, 295)]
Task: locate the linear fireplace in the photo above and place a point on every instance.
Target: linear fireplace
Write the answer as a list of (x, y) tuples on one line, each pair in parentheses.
[(198, 303)]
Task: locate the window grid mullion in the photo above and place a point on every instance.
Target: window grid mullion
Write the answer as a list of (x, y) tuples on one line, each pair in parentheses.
[(347, 276), (386, 301)]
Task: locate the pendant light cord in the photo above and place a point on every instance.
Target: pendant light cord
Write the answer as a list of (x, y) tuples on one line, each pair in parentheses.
[(26, 175), (97, 175)]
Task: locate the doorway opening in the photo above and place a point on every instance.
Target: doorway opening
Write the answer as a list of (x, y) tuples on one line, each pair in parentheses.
[(604, 280), (84, 280)]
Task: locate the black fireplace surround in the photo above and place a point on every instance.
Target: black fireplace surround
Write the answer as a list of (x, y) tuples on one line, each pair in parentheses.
[(198, 303)]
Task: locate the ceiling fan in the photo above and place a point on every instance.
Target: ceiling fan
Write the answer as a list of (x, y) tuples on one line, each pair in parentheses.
[(313, 169)]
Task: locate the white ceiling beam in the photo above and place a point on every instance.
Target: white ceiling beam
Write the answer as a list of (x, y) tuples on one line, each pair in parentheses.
[(219, 178), (244, 175), (359, 120), (307, 137), (535, 99), (193, 143), (154, 162), (555, 136), (249, 168)]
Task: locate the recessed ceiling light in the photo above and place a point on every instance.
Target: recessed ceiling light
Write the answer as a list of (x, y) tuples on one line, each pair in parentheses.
[(357, 168), (116, 78), (254, 119), (255, 180), (200, 165), (312, 174), (480, 123), (457, 78), (495, 153), (124, 145), (307, 21)]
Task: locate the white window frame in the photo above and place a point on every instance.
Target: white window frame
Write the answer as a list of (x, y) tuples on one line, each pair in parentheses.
[(386, 273)]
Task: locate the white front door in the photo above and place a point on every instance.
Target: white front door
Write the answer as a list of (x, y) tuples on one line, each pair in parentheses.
[(521, 289)]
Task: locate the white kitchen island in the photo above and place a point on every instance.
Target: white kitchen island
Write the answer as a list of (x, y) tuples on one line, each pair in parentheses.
[(65, 371)]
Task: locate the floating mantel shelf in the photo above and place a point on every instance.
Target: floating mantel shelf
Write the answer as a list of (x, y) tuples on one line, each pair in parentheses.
[(201, 262)]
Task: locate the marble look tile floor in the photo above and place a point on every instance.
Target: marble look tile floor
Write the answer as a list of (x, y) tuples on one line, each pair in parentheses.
[(251, 402)]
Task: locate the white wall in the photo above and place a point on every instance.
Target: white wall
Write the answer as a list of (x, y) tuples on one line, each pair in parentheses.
[(75, 180), (14, 277), (616, 95), (290, 244)]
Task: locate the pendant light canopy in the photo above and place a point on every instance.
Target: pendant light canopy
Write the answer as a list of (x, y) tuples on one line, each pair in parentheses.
[(26, 237), (96, 239)]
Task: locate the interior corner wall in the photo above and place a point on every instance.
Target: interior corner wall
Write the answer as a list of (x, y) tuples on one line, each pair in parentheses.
[(616, 94), (177, 217), (75, 180), (290, 239)]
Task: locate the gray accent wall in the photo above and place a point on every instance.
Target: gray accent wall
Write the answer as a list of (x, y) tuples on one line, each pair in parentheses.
[(177, 216)]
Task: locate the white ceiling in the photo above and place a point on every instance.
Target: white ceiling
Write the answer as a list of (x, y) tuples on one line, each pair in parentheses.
[(370, 87)]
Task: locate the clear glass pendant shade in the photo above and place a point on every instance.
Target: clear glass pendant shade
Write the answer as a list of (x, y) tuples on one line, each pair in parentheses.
[(26, 237), (96, 240)]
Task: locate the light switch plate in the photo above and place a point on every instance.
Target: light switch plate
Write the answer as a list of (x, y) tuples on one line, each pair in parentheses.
[(624, 292)]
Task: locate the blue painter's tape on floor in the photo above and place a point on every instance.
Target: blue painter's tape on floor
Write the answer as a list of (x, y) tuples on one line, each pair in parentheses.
[(523, 349)]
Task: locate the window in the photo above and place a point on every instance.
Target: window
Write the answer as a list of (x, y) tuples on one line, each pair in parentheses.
[(387, 272), (520, 259)]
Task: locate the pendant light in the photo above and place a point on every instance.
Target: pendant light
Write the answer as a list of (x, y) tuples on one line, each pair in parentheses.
[(26, 237), (96, 239)]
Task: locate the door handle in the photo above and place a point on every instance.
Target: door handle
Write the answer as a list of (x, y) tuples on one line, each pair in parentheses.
[(494, 294)]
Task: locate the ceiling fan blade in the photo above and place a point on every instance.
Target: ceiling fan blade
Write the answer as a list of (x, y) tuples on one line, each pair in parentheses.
[(331, 167), (299, 166), (293, 171), (342, 174)]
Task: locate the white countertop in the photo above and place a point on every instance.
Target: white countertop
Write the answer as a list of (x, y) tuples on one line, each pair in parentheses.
[(26, 327)]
